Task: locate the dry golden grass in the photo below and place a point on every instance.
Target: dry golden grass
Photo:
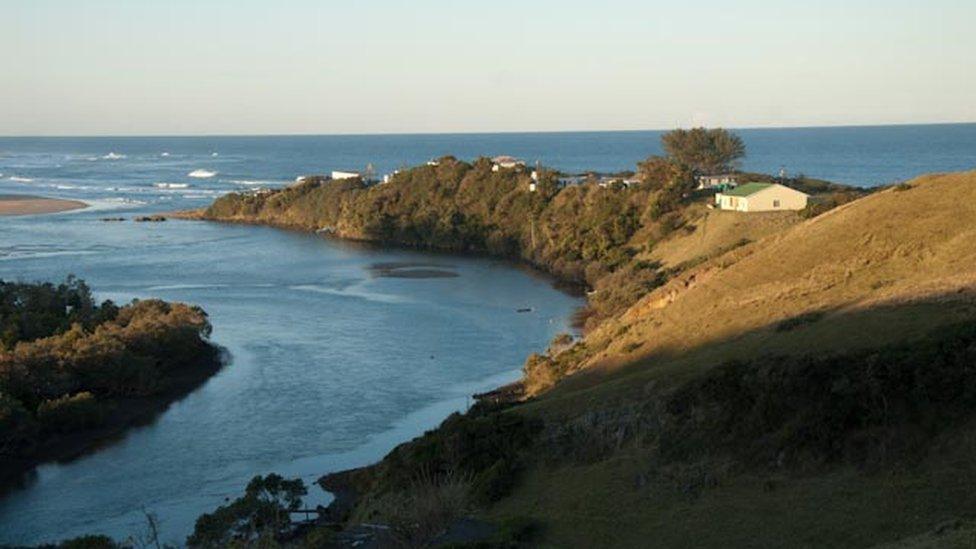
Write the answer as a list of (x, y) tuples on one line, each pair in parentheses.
[(716, 231), (892, 247)]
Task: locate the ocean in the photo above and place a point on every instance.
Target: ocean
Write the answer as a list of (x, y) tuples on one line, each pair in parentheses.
[(332, 364)]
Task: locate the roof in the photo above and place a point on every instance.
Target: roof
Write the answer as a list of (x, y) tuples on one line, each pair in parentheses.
[(506, 160), (748, 189), (716, 175)]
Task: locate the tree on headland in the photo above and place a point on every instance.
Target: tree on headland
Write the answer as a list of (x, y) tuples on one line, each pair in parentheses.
[(670, 179), (704, 150)]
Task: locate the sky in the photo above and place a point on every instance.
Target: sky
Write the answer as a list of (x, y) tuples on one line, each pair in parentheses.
[(186, 67)]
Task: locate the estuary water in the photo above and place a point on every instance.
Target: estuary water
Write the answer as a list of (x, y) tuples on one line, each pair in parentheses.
[(333, 362)]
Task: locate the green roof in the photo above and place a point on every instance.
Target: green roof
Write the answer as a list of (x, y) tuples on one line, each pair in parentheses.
[(747, 189)]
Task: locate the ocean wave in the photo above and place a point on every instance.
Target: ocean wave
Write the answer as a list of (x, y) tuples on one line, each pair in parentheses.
[(171, 185), (21, 179), (113, 156), (164, 154), (201, 174)]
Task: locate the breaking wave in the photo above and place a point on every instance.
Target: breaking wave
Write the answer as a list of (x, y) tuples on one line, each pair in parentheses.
[(201, 174)]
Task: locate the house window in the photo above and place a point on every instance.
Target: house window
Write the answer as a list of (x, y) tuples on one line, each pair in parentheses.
[(776, 203)]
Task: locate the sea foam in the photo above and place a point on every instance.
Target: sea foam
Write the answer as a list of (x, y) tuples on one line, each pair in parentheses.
[(201, 174)]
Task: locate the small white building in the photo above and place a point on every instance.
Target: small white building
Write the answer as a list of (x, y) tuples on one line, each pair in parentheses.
[(345, 175), (722, 180), (506, 162), (761, 197)]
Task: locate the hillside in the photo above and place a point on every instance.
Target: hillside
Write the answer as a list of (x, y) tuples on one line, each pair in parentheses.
[(814, 387), (892, 251), (855, 308)]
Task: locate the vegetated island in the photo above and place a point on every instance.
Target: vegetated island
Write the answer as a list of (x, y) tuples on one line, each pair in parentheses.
[(75, 373), (18, 204), (795, 378)]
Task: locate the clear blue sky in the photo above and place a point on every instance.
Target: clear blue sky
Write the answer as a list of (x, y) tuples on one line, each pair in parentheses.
[(370, 66)]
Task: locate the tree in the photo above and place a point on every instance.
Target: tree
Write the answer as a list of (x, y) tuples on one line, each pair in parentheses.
[(704, 150), (262, 512)]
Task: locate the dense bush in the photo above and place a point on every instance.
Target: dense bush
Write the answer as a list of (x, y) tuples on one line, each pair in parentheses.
[(70, 413), (65, 357), (485, 445), (580, 233), (33, 311)]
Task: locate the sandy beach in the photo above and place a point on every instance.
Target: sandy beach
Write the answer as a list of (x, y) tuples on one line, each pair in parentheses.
[(16, 204)]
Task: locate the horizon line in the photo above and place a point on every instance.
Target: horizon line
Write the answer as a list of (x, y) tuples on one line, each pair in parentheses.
[(476, 132)]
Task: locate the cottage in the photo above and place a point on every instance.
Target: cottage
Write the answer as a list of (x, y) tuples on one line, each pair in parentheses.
[(345, 175), (716, 181), (761, 197), (506, 162)]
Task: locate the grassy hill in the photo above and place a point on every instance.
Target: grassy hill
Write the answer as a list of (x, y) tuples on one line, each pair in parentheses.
[(861, 303), (814, 387)]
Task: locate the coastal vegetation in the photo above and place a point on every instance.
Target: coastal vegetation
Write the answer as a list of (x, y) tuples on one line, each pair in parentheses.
[(593, 235), (73, 371)]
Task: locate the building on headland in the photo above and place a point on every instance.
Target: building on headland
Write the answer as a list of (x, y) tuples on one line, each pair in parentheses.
[(761, 197), (717, 181), (338, 174), (506, 162)]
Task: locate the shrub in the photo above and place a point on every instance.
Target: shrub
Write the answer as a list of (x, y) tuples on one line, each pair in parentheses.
[(261, 513), (70, 413)]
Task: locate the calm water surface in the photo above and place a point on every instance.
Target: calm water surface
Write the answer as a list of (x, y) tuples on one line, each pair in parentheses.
[(332, 366)]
